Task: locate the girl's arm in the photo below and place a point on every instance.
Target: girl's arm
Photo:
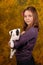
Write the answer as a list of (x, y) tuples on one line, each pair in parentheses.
[(26, 37)]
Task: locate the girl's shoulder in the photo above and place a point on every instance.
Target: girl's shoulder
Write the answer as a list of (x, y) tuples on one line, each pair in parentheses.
[(33, 30)]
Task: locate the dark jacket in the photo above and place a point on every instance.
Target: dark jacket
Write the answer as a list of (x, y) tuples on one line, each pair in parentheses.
[(25, 44)]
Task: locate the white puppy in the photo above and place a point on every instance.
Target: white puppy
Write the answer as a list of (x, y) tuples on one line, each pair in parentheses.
[(15, 34)]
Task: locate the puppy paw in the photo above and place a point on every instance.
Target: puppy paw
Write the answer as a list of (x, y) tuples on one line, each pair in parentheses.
[(10, 57)]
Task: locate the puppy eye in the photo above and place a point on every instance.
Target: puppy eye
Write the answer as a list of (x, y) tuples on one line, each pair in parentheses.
[(11, 32)]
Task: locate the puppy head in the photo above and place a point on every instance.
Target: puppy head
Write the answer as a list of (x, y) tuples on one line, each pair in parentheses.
[(15, 34), (16, 31)]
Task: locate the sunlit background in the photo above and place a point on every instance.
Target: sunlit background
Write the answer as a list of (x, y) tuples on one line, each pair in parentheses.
[(10, 18)]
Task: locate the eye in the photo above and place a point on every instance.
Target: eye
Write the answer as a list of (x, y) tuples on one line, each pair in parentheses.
[(25, 16), (11, 32), (29, 15)]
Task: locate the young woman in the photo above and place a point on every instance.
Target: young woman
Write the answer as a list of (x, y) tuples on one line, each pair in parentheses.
[(24, 46)]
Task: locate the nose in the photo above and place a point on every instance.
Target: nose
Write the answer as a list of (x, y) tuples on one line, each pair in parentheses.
[(27, 18)]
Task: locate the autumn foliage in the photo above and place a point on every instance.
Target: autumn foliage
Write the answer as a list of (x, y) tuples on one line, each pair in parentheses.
[(10, 18)]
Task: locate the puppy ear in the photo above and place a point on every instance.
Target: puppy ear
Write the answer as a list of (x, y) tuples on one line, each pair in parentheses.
[(10, 32), (17, 32)]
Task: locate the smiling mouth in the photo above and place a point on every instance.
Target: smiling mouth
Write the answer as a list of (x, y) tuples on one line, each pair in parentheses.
[(28, 21)]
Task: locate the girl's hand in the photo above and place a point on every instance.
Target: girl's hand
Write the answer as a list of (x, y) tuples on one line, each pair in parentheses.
[(22, 32)]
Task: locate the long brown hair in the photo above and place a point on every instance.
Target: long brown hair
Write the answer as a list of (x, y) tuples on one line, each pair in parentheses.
[(35, 18)]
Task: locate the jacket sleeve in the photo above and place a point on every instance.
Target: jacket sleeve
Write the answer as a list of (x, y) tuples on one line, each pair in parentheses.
[(26, 37)]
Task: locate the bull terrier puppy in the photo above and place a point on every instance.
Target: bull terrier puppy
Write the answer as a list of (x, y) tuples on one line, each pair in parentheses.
[(15, 35)]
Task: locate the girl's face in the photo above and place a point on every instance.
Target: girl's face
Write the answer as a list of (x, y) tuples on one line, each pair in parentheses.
[(28, 17)]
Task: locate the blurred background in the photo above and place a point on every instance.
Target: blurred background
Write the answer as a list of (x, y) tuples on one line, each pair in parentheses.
[(10, 18)]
